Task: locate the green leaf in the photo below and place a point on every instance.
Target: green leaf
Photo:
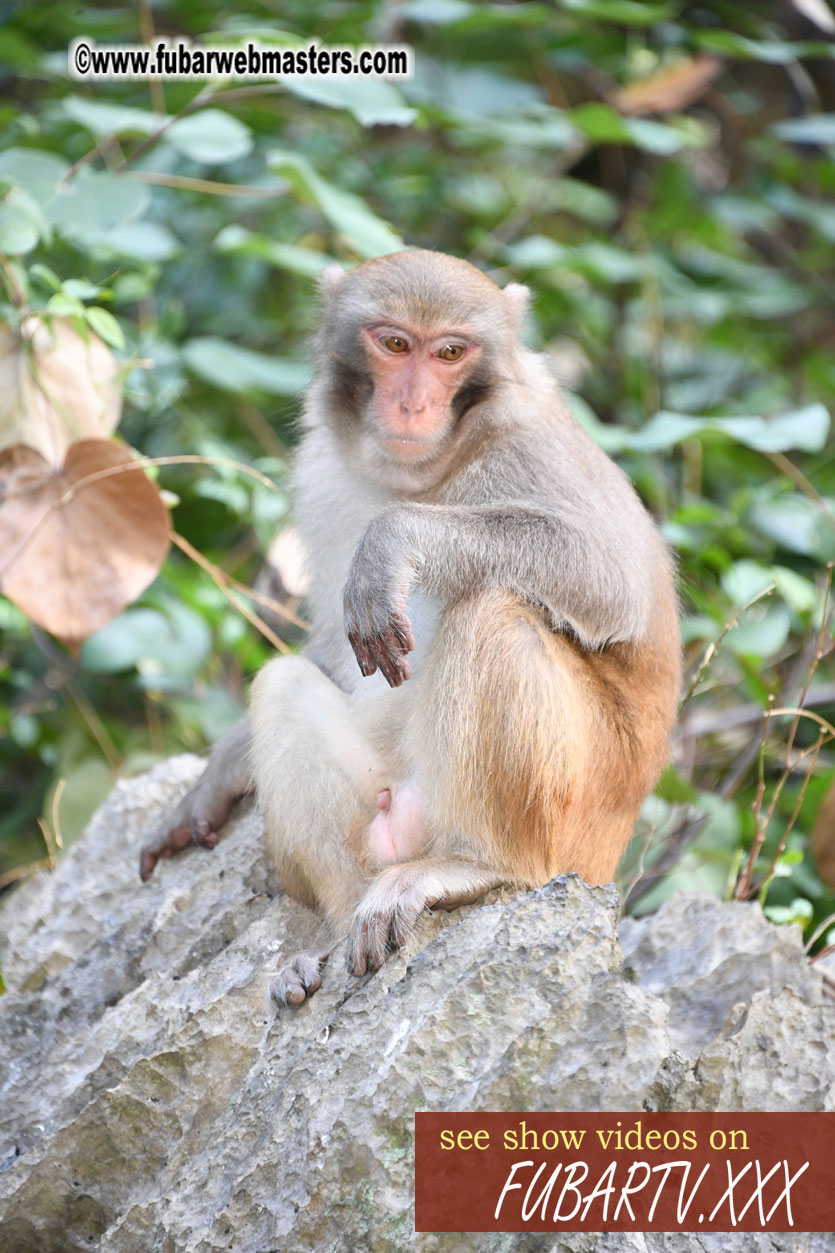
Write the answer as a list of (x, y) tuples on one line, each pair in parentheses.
[(106, 326), (771, 51), (145, 241), (372, 101), (237, 369), (210, 137), (38, 173), (369, 234), (672, 788), (174, 644), (436, 12), (744, 580), (603, 124), (80, 289), (103, 118), (800, 911), (806, 429), (465, 92), (62, 305), (799, 593), (48, 276), (290, 257), (93, 203), (796, 524), (819, 128), (624, 12), (761, 632), (18, 232)]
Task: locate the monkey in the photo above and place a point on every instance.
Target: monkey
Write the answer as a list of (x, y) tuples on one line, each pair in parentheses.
[(492, 674)]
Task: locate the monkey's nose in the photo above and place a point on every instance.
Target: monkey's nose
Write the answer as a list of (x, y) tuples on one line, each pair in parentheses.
[(411, 409)]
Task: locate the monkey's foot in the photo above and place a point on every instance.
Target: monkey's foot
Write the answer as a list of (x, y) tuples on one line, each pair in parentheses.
[(182, 830), (296, 982), (385, 918), (204, 809)]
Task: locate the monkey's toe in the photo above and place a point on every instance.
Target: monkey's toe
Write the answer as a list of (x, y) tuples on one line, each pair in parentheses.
[(162, 847), (298, 981), (383, 930)]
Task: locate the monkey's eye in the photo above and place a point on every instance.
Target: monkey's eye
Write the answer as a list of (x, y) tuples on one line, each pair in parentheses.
[(394, 343), (451, 352)]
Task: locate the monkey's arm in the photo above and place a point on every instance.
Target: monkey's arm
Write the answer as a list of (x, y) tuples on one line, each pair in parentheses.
[(589, 574), (203, 810)]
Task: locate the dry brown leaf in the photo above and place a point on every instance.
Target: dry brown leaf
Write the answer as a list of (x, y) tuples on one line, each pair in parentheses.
[(55, 387), (672, 88), (79, 543)]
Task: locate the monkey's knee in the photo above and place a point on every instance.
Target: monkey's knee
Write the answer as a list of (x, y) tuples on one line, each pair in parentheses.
[(286, 680)]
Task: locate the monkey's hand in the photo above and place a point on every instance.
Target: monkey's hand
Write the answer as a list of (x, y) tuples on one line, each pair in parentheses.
[(376, 622), (201, 813)]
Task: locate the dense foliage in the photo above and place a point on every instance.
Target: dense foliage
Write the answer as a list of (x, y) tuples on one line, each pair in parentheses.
[(661, 174)]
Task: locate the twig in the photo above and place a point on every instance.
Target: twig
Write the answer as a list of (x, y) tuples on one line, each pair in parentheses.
[(817, 933), (209, 187), (221, 580), (713, 649), (744, 887), (20, 872)]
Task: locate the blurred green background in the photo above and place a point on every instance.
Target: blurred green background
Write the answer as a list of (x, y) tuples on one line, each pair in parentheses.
[(661, 175)]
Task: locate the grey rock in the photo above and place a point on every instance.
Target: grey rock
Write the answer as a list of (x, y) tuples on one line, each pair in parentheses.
[(149, 1100), (703, 956)]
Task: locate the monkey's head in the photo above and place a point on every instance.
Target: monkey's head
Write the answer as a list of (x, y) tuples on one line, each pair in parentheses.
[(410, 344)]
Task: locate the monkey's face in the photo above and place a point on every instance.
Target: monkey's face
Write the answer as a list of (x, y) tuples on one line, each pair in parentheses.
[(408, 346), (419, 376)]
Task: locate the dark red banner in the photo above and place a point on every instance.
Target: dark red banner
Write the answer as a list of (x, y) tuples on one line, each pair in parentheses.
[(625, 1172)]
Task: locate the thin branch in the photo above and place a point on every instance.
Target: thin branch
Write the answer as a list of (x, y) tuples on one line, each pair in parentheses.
[(21, 872), (789, 826), (221, 581), (799, 479), (208, 186), (818, 932), (713, 649)]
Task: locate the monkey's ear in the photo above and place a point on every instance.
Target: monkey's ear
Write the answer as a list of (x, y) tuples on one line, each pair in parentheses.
[(519, 297), (330, 277)]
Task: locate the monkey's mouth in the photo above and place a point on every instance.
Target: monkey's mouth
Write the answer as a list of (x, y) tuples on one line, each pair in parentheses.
[(408, 447)]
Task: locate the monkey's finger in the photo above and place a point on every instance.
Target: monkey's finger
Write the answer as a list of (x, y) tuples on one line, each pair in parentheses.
[(363, 654), (377, 947), (392, 662), (203, 834), (409, 908), (402, 630)]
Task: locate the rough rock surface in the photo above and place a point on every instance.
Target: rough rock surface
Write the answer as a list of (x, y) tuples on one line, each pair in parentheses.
[(150, 1101)]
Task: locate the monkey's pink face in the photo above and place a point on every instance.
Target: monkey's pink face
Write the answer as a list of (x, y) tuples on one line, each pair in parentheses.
[(416, 376)]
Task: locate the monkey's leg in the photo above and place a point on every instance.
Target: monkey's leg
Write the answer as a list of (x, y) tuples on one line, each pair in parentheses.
[(203, 810), (526, 757), (535, 746), (318, 779)]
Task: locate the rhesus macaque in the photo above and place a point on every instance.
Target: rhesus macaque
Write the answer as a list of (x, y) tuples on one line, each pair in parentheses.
[(466, 535)]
